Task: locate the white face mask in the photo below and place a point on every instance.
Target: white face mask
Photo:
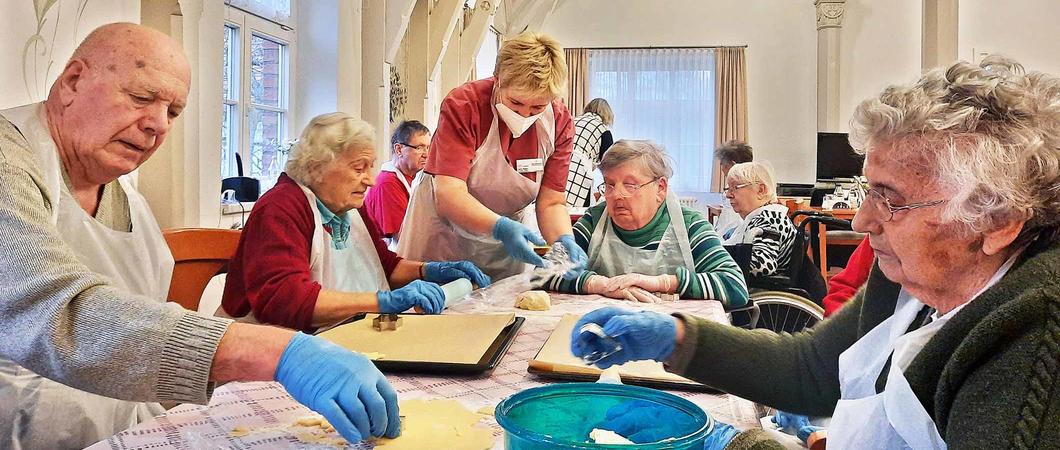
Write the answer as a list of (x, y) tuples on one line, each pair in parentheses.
[(517, 124)]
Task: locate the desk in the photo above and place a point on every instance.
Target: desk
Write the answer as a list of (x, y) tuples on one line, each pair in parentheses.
[(266, 404)]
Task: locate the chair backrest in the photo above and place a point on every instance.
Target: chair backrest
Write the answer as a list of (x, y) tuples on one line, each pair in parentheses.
[(199, 254)]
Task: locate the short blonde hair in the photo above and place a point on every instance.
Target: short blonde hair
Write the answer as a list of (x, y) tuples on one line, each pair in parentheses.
[(755, 172), (532, 62), (989, 133), (601, 108), (326, 137)]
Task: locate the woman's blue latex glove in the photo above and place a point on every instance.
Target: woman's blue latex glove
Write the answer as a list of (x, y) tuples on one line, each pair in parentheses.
[(443, 272), (645, 422), (517, 238), (428, 296), (577, 256), (343, 386), (795, 424), (720, 436), (643, 335)]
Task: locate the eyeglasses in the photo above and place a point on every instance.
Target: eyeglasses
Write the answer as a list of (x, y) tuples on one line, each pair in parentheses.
[(884, 206), (630, 189), (418, 148), (730, 190)]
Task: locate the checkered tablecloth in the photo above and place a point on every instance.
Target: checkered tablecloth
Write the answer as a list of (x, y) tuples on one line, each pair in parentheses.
[(267, 410)]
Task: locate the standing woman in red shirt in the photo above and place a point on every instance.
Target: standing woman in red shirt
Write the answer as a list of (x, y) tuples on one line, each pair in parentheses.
[(501, 144)]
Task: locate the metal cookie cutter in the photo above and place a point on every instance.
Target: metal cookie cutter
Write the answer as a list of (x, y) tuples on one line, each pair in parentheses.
[(605, 345), (386, 322)]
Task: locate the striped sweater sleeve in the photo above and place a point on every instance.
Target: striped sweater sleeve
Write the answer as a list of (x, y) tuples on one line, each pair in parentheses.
[(717, 276)]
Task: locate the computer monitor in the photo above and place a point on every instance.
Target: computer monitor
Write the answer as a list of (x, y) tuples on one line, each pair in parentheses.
[(836, 158)]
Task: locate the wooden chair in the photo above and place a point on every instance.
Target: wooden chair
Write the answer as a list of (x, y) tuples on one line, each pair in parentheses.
[(199, 253)]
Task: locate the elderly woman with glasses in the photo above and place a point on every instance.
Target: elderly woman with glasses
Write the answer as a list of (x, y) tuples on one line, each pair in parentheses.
[(310, 256), (640, 241), (953, 342), (752, 190)]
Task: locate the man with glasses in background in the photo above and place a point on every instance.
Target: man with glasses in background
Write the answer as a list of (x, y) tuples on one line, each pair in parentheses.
[(387, 201)]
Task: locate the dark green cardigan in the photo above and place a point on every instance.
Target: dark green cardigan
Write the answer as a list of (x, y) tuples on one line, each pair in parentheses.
[(989, 377)]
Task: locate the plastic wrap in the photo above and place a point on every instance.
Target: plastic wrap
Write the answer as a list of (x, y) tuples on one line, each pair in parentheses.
[(503, 292)]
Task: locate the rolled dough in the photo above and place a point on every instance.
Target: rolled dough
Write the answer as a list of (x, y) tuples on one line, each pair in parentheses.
[(438, 424), (533, 301)]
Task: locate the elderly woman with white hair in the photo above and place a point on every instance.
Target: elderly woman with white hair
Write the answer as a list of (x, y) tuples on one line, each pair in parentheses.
[(752, 190), (305, 260), (953, 341), (640, 241)]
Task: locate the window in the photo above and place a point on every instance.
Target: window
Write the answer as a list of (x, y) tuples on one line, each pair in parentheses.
[(666, 95), (486, 58), (257, 97)]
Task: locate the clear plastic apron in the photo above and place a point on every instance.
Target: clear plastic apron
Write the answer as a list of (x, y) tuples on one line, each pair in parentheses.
[(427, 236), (609, 256), (50, 415)]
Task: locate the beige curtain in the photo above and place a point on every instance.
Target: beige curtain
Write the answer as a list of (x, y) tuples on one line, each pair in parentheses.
[(730, 98), (577, 79)]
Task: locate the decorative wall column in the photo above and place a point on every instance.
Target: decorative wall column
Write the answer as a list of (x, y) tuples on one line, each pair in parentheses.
[(939, 34), (829, 22)]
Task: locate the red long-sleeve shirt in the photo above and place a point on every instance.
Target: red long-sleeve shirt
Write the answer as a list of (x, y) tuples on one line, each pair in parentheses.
[(387, 201), (269, 273), (843, 286)]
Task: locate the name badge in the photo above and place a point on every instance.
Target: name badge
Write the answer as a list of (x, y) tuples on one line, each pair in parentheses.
[(529, 165)]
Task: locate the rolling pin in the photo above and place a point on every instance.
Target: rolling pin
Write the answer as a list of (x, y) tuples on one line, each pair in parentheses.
[(456, 290)]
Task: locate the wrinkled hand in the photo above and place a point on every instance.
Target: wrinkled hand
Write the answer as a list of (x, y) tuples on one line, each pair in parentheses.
[(517, 238), (428, 296), (598, 284), (650, 283), (343, 386), (577, 256), (645, 422), (444, 272), (643, 335)]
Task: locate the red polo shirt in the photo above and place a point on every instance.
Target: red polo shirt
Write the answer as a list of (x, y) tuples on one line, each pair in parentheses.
[(464, 121), (387, 201)]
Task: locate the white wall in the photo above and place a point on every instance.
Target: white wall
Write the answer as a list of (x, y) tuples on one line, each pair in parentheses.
[(781, 44), (1022, 29), (27, 78), (879, 46)]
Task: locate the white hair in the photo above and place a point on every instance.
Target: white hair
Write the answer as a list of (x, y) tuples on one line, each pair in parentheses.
[(756, 172), (326, 137), (650, 154), (989, 133)]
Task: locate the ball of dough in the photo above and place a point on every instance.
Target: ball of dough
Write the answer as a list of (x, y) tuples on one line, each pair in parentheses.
[(533, 301)]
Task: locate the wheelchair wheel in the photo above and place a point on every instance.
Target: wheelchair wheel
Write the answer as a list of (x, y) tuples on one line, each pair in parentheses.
[(785, 312)]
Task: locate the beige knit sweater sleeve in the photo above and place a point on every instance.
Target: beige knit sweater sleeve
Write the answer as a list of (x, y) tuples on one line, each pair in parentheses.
[(66, 323)]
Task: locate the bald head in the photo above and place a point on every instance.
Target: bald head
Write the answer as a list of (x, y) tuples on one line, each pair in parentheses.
[(116, 99)]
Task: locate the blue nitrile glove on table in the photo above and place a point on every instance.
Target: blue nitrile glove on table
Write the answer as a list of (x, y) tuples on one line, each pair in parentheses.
[(643, 335), (577, 256), (443, 272), (720, 436), (795, 424), (428, 296), (342, 386), (517, 238)]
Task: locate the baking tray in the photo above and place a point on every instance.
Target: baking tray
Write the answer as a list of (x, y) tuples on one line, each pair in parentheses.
[(486, 364)]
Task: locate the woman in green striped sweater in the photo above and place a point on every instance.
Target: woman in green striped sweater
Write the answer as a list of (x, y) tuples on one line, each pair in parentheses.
[(641, 241)]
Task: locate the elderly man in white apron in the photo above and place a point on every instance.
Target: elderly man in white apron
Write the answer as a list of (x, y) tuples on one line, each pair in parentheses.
[(47, 414)]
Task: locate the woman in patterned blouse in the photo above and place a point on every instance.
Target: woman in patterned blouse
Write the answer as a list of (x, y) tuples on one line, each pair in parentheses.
[(752, 189)]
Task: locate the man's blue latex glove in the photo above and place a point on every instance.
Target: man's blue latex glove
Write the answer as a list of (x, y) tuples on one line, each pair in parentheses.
[(343, 386), (577, 256), (428, 296), (517, 238), (645, 422), (443, 272), (643, 335), (795, 424), (720, 436)]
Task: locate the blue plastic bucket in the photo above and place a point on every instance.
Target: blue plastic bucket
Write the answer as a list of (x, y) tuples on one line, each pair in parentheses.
[(560, 416)]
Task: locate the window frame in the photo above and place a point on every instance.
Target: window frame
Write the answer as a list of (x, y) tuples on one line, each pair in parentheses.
[(248, 25)]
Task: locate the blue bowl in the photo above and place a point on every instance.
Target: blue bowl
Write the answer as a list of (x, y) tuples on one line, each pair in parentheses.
[(560, 416)]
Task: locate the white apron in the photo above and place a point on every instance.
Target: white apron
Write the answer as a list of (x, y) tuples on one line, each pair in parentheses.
[(356, 268), (609, 256), (427, 236), (738, 233), (727, 220), (389, 167), (50, 415)]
